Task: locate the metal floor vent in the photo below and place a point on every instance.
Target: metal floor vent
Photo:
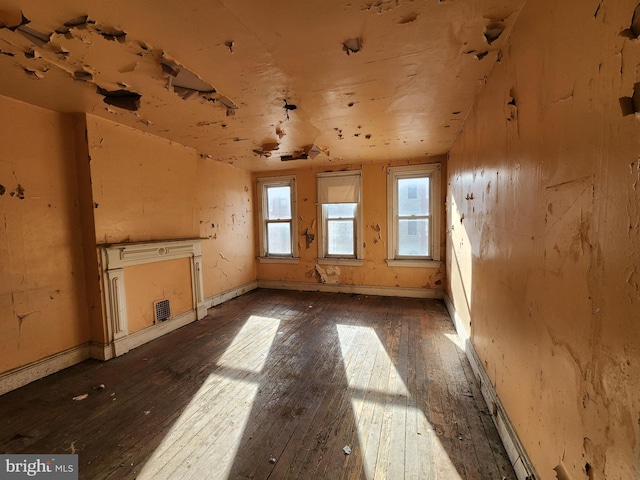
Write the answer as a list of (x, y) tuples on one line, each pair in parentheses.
[(162, 310)]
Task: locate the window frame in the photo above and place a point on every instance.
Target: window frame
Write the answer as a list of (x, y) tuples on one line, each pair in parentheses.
[(263, 185), (324, 258), (394, 174)]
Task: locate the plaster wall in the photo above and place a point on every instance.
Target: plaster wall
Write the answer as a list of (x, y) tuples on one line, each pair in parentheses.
[(543, 248), (42, 295), (374, 271), (225, 209), (148, 188), (148, 283), (144, 187)]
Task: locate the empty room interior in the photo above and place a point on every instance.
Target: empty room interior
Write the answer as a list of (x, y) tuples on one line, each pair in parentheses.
[(323, 239)]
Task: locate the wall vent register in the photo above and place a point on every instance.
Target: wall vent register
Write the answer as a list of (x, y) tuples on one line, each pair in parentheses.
[(162, 310)]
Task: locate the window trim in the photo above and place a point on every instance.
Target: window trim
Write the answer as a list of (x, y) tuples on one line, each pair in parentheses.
[(263, 184), (433, 171), (323, 257)]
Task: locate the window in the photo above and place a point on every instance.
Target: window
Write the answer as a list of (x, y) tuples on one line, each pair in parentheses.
[(277, 218), (414, 215), (339, 211)]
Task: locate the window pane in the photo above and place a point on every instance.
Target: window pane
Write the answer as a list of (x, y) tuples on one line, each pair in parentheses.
[(413, 196), (413, 237), (340, 237), (341, 210), (279, 202), (279, 238)]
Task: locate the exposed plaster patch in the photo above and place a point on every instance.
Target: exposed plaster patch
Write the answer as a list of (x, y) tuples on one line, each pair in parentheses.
[(376, 228), (33, 73), (83, 75), (82, 29), (121, 98), (299, 155), (631, 105), (493, 31), (410, 17), (73, 23), (561, 472), (352, 45), (34, 36), (112, 33), (478, 55), (309, 238), (633, 31), (266, 149), (183, 82), (329, 275)]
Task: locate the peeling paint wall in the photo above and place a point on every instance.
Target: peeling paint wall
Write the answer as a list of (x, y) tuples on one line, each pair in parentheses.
[(544, 236), (70, 182), (225, 202), (375, 271), (148, 188), (144, 187), (42, 295)]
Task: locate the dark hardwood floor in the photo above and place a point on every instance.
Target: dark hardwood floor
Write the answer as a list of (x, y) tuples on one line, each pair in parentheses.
[(273, 384)]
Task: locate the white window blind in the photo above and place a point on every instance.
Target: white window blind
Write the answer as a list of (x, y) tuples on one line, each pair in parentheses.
[(339, 188)]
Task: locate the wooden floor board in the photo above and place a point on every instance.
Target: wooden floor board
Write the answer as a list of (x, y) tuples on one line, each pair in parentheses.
[(273, 385)]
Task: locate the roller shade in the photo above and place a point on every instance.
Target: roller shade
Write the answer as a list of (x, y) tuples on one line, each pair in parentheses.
[(342, 188)]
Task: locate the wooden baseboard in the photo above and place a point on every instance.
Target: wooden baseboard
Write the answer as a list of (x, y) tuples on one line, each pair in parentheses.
[(222, 297), (21, 376), (517, 454), (359, 289), (26, 374)]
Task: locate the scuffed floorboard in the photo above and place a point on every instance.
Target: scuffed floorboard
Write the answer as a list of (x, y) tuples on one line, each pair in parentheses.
[(273, 384)]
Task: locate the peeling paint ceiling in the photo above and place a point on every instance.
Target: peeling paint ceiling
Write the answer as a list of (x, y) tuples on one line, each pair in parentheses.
[(262, 85)]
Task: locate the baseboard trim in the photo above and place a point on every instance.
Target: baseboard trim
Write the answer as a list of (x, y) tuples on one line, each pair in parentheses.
[(160, 329), (222, 297), (359, 289), (517, 454), (33, 371), (26, 374)]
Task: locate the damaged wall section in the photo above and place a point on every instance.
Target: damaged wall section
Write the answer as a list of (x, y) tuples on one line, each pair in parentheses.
[(543, 260), (42, 294)]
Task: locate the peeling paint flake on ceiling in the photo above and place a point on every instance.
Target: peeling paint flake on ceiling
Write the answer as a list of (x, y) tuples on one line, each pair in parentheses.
[(385, 74)]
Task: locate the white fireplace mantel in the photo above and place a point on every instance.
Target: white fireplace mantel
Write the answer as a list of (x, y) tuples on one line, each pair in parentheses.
[(115, 259)]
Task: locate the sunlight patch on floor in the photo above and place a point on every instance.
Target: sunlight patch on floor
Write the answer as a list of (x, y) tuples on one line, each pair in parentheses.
[(388, 418), (206, 437)]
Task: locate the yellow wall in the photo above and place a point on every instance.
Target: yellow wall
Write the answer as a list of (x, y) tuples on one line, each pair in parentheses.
[(150, 282), (225, 203), (86, 181), (42, 296), (375, 271), (147, 188), (144, 187), (545, 262)]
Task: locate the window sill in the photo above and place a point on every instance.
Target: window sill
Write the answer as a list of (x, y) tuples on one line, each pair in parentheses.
[(293, 260), (347, 262), (414, 263)]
